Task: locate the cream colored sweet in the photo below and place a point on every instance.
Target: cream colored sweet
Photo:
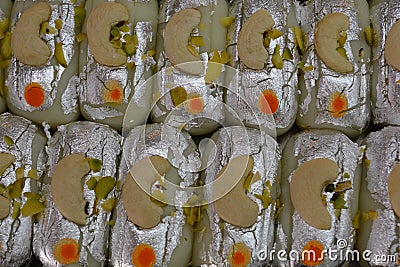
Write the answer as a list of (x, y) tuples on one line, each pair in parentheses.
[(5, 10), (149, 213), (67, 189), (204, 18), (327, 33), (4, 207), (262, 47), (394, 189), (22, 164), (321, 171), (392, 46), (140, 209), (26, 44), (235, 207), (202, 37), (334, 73), (382, 37), (176, 36), (79, 192), (308, 182), (6, 159), (251, 50), (5, 7), (379, 205), (110, 79), (241, 175), (98, 28), (45, 52)]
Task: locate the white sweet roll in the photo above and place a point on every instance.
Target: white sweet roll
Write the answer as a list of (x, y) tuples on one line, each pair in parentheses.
[(334, 68), (385, 76), (261, 44), (187, 93), (152, 225), (42, 77), (5, 10), (79, 195), (242, 177), (22, 164), (378, 218), (321, 171), (116, 57)]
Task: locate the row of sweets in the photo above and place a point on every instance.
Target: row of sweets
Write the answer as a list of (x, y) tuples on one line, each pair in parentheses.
[(86, 196), (260, 63)]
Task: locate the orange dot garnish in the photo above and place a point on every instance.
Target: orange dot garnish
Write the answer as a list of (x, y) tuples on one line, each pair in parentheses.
[(112, 92), (143, 256), (34, 94), (337, 104), (312, 254), (239, 255), (66, 251), (194, 103), (268, 103), (115, 94)]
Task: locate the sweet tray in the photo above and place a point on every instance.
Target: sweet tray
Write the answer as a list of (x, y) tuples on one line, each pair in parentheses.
[(199, 133)]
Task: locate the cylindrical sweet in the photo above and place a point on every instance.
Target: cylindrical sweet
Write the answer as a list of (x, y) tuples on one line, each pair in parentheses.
[(42, 77), (385, 76), (187, 92), (5, 10), (242, 177), (22, 164), (321, 171), (265, 92), (379, 211), (116, 58), (151, 219), (334, 69), (79, 191)]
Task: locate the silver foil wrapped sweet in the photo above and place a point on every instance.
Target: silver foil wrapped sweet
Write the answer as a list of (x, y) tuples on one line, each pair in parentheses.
[(378, 236), (205, 118), (218, 242), (170, 241), (5, 10), (384, 82), (48, 92), (98, 81), (276, 84), (293, 234), (25, 143), (329, 99), (87, 244)]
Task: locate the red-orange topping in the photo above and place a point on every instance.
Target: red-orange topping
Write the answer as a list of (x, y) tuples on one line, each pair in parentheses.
[(143, 256), (268, 102), (239, 255), (194, 103), (338, 104), (112, 92), (312, 254), (66, 251), (34, 94)]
